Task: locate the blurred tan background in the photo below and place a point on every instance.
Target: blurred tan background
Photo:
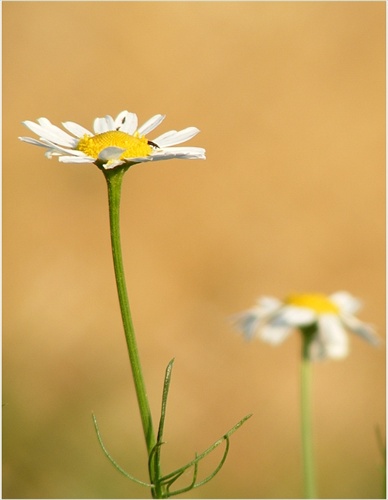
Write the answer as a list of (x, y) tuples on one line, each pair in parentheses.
[(290, 100)]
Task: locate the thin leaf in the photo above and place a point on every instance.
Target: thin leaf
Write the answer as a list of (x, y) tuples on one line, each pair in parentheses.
[(154, 457), (166, 388), (206, 452), (188, 488), (208, 478), (114, 463)]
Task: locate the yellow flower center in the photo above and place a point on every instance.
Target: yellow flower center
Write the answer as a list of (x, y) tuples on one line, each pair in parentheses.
[(134, 145), (315, 301)]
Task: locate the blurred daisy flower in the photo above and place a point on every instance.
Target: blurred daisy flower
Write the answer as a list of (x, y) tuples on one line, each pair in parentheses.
[(273, 320), (113, 142)]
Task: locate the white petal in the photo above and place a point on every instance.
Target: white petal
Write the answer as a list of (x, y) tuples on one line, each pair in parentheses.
[(105, 124), (76, 159), (173, 137), (180, 150), (138, 159), (364, 330), (269, 304), (248, 322), (49, 134), (296, 316), (167, 135), (113, 164), (55, 147), (317, 350), (110, 153), (63, 137), (110, 123), (171, 156), (346, 302), (126, 122), (180, 153), (274, 334), (150, 124), (120, 118), (76, 129), (50, 153), (35, 142), (332, 336)]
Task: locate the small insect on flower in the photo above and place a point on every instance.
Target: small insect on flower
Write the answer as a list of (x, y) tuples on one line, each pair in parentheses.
[(153, 144)]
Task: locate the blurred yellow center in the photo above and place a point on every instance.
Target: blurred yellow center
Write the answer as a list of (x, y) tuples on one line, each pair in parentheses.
[(315, 301), (134, 146)]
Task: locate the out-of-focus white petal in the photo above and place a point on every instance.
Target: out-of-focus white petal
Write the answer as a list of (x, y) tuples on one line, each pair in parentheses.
[(150, 124), (332, 336), (248, 322), (296, 316), (274, 334), (267, 305), (345, 302), (365, 331), (317, 351)]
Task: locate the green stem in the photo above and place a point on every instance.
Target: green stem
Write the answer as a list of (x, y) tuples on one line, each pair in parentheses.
[(306, 419), (114, 179)]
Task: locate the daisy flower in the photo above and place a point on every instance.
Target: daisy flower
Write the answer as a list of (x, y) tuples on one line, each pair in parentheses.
[(113, 142), (273, 320)]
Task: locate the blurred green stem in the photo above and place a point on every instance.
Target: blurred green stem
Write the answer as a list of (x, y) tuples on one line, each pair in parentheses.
[(306, 418), (382, 448), (114, 178)]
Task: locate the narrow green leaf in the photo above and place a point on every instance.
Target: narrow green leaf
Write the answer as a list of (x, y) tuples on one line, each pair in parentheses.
[(207, 451), (154, 456), (188, 488), (166, 388), (114, 463)]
